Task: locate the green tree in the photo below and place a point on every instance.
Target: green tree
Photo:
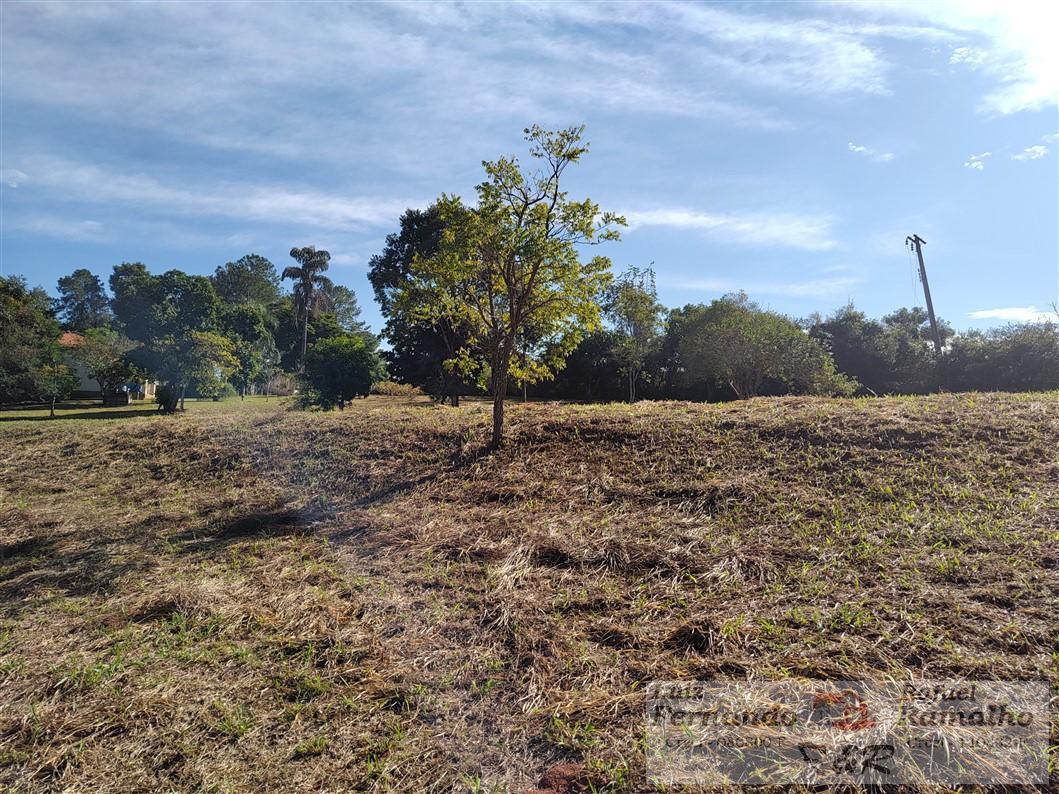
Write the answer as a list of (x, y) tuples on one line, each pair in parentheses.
[(342, 303), (337, 370), (859, 346), (104, 352), (631, 304), (29, 334), (246, 326), (311, 288), (82, 301), (164, 313), (207, 362), (509, 269), (251, 279), (1013, 358), (742, 346), (910, 349), (135, 295), (422, 348), (52, 378)]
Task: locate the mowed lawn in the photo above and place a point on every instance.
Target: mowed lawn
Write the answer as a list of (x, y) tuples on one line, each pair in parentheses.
[(247, 596)]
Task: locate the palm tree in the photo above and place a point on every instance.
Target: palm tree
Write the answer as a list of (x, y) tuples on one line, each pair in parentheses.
[(311, 290)]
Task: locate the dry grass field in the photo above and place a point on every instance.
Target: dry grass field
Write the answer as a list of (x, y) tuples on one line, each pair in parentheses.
[(248, 597)]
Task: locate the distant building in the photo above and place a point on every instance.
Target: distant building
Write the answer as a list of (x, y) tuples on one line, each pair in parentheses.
[(88, 388)]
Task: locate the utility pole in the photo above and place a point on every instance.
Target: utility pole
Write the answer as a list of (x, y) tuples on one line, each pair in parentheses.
[(917, 242)]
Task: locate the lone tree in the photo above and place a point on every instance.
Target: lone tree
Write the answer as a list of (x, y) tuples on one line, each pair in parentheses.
[(632, 305), (510, 270), (339, 369), (311, 289)]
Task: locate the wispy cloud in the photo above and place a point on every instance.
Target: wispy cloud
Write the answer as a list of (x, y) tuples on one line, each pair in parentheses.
[(57, 227), (870, 153), (805, 232), (1031, 153), (976, 162), (12, 177), (809, 288), (1015, 314), (256, 202)]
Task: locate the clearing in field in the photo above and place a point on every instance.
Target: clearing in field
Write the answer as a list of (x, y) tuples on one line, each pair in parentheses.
[(247, 596)]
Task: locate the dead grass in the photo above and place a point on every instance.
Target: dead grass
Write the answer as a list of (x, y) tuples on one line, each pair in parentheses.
[(255, 598)]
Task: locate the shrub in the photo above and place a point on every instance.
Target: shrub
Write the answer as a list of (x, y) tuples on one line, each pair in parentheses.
[(339, 369), (391, 388)]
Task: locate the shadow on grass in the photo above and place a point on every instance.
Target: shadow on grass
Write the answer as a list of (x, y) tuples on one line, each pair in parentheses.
[(49, 565), (98, 414), (258, 525)]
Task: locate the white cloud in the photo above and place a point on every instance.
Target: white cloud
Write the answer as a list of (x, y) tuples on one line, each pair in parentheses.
[(805, 232), (262, 203), (971, 56), (810, 288), (1031, 153), (60, 228), (1016, 314), (976, 162), (870, 153), (1016, 47), (12, 177)]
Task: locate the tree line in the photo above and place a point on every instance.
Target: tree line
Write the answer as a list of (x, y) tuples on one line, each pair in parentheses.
[(496, 297), (209, 336)]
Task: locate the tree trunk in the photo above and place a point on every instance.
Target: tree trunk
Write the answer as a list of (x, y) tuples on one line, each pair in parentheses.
[(632, 386), (305, 337), (498, 421), (524, 392), (183, 388), (499, 391), (51, 414)]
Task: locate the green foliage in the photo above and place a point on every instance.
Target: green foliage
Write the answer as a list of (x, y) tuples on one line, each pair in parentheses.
[(509, 270), (250, 280), (1014, 358), (82, 301), (894, 356), (739, 345), (631, 304), (53, 380), (176, 317), (104, 352), (208, 362), (29, 333), (339, 369), (419, 346), (246, 326), (311, 289), (342, 305)]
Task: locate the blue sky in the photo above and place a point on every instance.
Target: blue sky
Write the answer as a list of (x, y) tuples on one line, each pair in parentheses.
[(785, 149)]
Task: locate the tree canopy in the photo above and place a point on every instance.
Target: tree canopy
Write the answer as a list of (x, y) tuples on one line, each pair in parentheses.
[(82, 301), (509, 268)]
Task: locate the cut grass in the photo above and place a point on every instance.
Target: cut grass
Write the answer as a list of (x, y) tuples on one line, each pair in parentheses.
[(248, 597)]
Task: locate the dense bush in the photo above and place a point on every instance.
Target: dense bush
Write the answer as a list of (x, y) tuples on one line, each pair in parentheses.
[(338, 370)]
